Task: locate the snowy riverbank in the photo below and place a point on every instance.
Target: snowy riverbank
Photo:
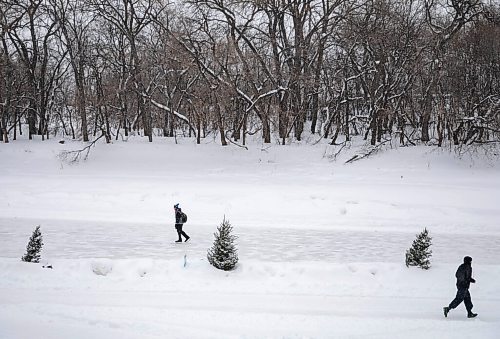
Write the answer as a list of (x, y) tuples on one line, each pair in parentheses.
[(321, 243)]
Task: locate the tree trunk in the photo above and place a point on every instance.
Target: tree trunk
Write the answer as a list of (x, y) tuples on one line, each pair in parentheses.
[(440, 131), (15, 124), (283, 117), (298, 116), (81, 109), (266, 129), (245, 118), (198, 128), (31, 120), (3, 129), (374, 128), (347, 132), (425, 125), (220, 122)]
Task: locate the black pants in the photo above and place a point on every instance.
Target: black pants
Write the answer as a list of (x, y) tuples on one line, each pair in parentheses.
[(180, 232), (462, 295)]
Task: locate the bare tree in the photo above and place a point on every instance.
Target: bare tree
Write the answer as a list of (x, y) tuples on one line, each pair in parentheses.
[(74, 23), (411, 70), (133, 19)]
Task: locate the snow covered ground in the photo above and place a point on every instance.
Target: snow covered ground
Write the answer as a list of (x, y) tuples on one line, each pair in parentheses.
[(321, 243)]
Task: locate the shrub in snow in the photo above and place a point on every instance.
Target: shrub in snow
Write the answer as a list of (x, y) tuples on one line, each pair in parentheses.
[(223, 254), (34, 247), (419, 253)]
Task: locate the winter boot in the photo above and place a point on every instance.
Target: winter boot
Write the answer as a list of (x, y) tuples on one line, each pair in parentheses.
[(446, 310), (471, 315), (187, 238), (180, 240)]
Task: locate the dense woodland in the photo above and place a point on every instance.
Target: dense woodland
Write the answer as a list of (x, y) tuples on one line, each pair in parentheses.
[(414, 71)]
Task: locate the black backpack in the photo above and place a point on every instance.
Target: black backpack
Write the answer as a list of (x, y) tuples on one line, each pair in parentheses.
[(184, 217)]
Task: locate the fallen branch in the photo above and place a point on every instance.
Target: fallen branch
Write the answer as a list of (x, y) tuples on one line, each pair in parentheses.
[(72, 157), (371, 150), (334, 156), (235, 143)]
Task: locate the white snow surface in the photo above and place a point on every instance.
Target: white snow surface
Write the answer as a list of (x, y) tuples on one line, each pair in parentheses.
[(321, 243)]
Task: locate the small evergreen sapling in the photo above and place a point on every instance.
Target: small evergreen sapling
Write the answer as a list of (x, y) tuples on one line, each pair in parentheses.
[(34, 247), (419, 253), (223, 254)]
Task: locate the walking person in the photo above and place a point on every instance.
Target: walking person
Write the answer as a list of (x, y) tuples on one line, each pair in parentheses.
[(180, 219), (464, 278)]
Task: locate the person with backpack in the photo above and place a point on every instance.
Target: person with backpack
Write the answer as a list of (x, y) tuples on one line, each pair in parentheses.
[(464, 278), (180, 219)]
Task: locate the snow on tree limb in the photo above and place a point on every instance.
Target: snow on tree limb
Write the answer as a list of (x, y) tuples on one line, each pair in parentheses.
[(166, 108)]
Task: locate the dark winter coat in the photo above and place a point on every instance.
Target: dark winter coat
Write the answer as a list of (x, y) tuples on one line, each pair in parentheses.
[(464, 276), (178, 217)]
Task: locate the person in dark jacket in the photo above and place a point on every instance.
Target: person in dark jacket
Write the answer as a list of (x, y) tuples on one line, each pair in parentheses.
[(464, 278), (178, 223)]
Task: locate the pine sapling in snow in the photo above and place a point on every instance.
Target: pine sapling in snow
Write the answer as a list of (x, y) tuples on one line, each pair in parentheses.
[(419, 253), (223, 254), (34, 247)]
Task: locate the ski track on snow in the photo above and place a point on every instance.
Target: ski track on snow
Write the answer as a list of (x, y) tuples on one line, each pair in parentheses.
[(87, 239)]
